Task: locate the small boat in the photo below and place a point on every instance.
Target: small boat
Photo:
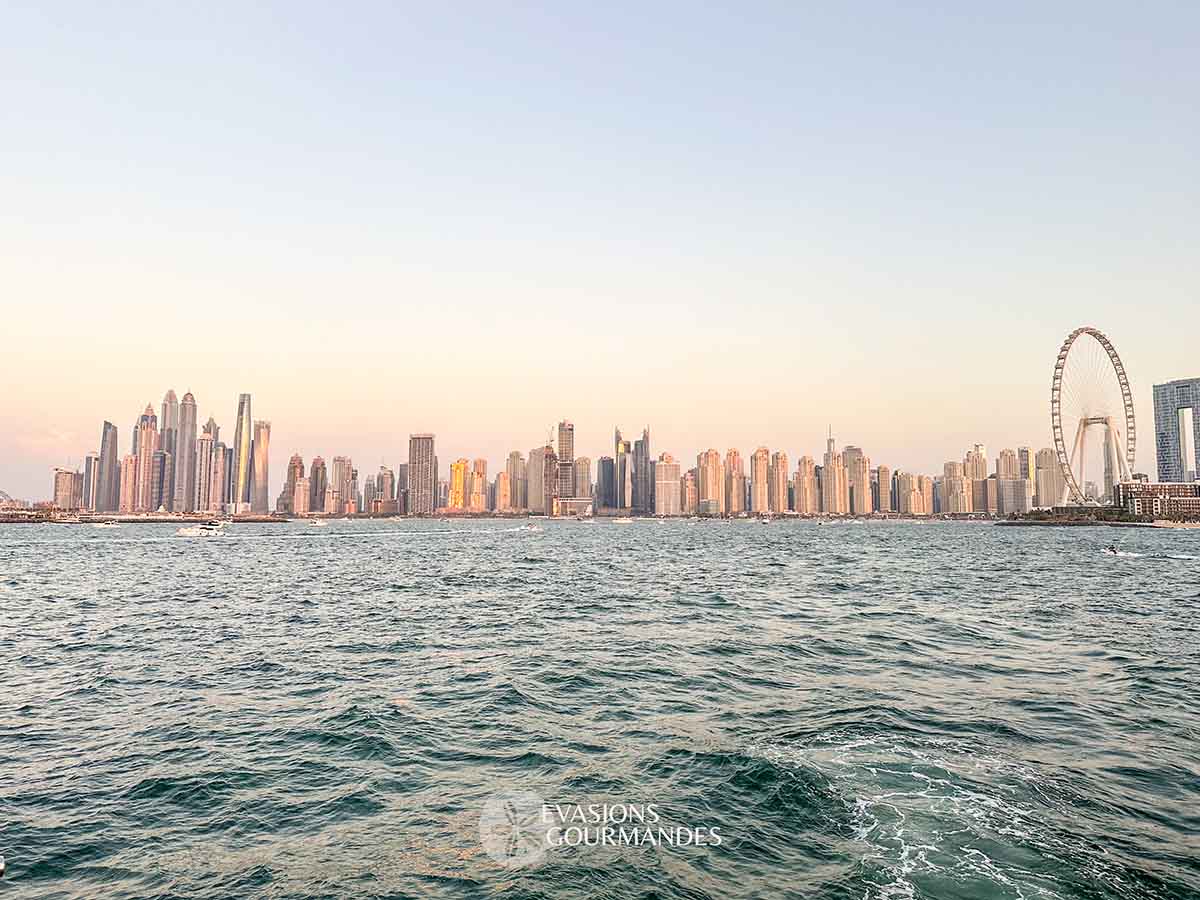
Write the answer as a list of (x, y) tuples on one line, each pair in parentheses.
[(531, 526), (211, 528), (622, 520), (318, 523), (111, 523)]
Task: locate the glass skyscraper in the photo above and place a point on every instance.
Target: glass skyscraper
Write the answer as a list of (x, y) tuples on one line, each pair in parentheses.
[(1177, 429)]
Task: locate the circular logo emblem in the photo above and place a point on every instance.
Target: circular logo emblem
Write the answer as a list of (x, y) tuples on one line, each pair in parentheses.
[(510, 829)]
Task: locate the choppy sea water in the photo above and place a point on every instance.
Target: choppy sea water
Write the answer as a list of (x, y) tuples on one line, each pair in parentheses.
[(877, 710)]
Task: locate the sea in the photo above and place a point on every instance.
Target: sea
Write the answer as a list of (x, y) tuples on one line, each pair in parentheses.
[(653, 710)]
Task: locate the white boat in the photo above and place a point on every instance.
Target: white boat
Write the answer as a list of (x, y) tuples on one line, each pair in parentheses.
[(318, 523), (622, 520), (530, 526), (212, 528), (111, 523)]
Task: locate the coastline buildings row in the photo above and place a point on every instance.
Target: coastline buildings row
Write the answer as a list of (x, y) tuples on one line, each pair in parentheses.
[(172, 468), (173, 465)]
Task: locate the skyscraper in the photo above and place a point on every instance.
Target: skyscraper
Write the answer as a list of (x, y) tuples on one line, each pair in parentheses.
[(260, 501), (242, 460), (286, 502), (807, 501), (549, 480), (566, 459), (91, 470), (735, 483), (583, 476), (185, 456), (642, 489), (777, 483), (622, 473), (534, 473), (168, 432), (710, 484), (459, 474), (127, 495), (422, 475), (518, 490), (108, 488), (317, 483), (1177, 429), (606, 482), (1048, 482), (147, 443), (858, 480), (760, 469), (835, 487), (883, 500), (503, 492), (477, 502), (203, 474), (667, 499)]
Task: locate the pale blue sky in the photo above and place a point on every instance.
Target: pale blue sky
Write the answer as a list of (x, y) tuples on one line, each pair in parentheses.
[(734, 225)]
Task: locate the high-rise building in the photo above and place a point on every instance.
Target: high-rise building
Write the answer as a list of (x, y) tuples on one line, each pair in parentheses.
[(957, 493), (108, 488), (338, 489), (689, 493), (642, 481), (459, 473), (222, 467), (606, 482), (735, 483), (566, 459), (422, 475), (1007, 465), (243, 435), (622, 472), (975, 465), (1048, 482), (287, 497), (260, 501), (667, 499), (161, 474), (91, 471), (318, 482), (1177, 429), (478, 500), (301, 495), (535, 475), (583, 476), (858, 480), (68, 489), (710, 484), (503, 492), (147, 443), (515, 468), (760, 469), (835, 487), (203, 474), (128, 492), (777, 483), (807, 498), (883, 495), (549, 480), (168, 436), (185, 456)]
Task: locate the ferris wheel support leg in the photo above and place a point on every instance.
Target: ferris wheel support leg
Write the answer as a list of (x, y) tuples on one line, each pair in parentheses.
[(1078, 448)]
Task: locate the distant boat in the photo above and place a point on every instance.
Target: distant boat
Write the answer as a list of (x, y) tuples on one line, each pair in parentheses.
[(622, 520), (111, 523), (530, 526), (211, 528), (318, 523)]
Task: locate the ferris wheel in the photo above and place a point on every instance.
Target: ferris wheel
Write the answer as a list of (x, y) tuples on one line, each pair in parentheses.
[(1091, 392)]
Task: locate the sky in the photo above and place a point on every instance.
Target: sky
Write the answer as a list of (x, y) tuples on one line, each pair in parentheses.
[(739, 226)]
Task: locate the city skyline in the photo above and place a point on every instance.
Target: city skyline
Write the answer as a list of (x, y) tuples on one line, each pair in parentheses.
[(259, 497)]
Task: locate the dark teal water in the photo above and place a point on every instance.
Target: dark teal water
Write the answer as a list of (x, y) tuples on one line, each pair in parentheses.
[(882, 710)]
